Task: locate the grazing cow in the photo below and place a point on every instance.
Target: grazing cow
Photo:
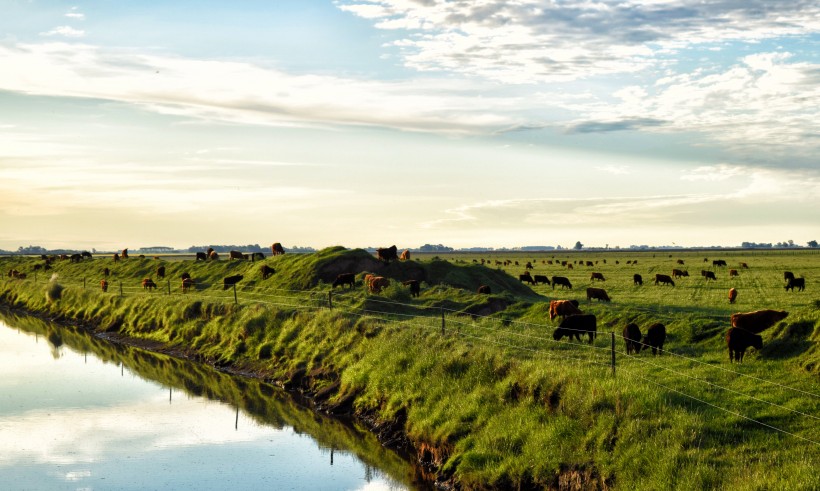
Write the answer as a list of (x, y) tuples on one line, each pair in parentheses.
[(116, 257), (589, 263), (663, 279), (21, 276), (563, 308), (561, 280), (709, 275), (377, 284), (201, 256), (231, 281), (569, 266), (484, 289), (86, 254), (732, 273), (276, 249), (235, 255), (405, 255), (344, 279), (257, 256), (739, 340), (576, 325), (266, 271), (387, 253), (104, 285), (680, 261), (526, 277), (106, 272), (732, 295), (187, 284), (124, 254), (597, 276), (528, 265), (213, 256), (718, 262), (637, 279), (415, 287), (788, 275), (598, 294), (540, 278), (161, 272), (75, 258), (148, 284), (209, 251), (744, 266), (677, 273), (655, 337), (185, 275), (800, 283), (632, 338), (759, 320)]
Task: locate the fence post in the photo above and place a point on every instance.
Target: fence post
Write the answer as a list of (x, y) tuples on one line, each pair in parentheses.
[(83, 282), (612, 344), (442, 321), (330, 300), (235, 300), (120, 288), (169, 287)]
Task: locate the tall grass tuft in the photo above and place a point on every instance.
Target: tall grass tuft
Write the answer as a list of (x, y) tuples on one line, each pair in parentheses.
[(54, 290)]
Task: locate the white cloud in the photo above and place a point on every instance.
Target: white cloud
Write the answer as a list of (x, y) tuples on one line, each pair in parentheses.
[(74, 13), (65, 31)]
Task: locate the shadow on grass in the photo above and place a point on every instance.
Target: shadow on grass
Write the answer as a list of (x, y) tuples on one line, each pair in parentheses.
[(789, 340)]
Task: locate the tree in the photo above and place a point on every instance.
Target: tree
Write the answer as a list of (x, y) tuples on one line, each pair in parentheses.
[(578, 246), (812, 243)]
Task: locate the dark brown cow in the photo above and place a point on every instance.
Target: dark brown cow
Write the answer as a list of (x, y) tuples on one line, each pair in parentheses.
[(528, 265), (759, 320), (405, 255), (106, 272), (561, 280), (104, 285), (597, 294), (680, 261), (75, 258), (677, 273), (663, 279), (201, 256), (266, 271), (526, 277), (575, 326), (632, 338), (719, 263), (148, 284), (800, 283), (563, 308), (484, 289), (235, 255), (655, 337), (590, 263), (387, 254), (637, 279), (231, 281), (344, 279), (744, 266), (597, 276), (732, 273), (709, 275), (540, 278), (276, 249), (116, 257), (415, 287), (732, 295), (739, 340), (187, 284), (186, 275), (124, 254), (161, 272)]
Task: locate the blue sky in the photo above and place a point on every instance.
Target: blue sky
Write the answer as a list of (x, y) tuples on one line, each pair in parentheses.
[(484, 123)]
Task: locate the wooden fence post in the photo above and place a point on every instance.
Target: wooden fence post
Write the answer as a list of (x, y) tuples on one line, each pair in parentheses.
[(169, 287), (120, 288), (330, 300), (235, 299), (612, 345), (83, 282), (442, 321)]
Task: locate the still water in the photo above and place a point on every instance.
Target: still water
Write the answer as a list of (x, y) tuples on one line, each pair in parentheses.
[(80, 413)]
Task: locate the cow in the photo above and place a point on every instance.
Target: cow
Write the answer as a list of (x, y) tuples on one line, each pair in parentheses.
[(757, 321), (569, 266), (187, 284), (563, 308), (160, 271), (663, 279), (209, 251), (540, 278), (201, 256), (680, 261), (86, 254), (116, 257), (800, 283), (637, 279), (405, 255), (561, 280), (106, 272), (235, 255), (677, 273), (387, 254), (632, 338), (75, 258), (148, 284), (124, 254), (230, 281), (528, 265), (732, 295), (589, 263), (597, 276), (744, 266), (598, 294), (732, 273), (344, 279), (185, 275), (718, 262), (266, 271), (655, 337), (104, 285), (415, 287), (526, 277), (738, 340), (21, 276), (377, 284), (257, 256), (709, 275), (276, 249), (788, 275), (576, 325), (213, 256), (484, 289)]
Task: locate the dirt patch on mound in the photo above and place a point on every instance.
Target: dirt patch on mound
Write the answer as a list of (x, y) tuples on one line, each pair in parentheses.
[(360, 261)]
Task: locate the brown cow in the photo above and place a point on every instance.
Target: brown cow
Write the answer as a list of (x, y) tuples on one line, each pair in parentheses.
[(266, 271), (148, 284), (104, 285), (663, 279), (738, 340), (528, 265), (161, 272), (405, 255), (677, 273), (744, 266), (106, 272), (116, 257), (598, 294), (632, 338), (213, 256), (759, 320), (732, 273), (597, 276), (276, 249), (387, 254), (124, 254), (484, 289), (235, 255), (680, 261), (415, 287), (732, 295), (563, 308), (187, 284), (378, 283)]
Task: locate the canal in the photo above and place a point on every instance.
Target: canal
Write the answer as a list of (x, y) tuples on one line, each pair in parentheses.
[(77, 412)]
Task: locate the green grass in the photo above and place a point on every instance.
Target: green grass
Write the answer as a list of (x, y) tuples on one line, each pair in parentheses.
[(495, 402)]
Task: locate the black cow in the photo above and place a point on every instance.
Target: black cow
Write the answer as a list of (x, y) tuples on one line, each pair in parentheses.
[(344, 279), (637, 279), (788, 275), (561, 280), (86, 254), (257, 256), (266, 271), (201, 256), (800, 283), (576, 325), (484, 289), (664, 279), (160, 271), (415, 287), (540, 278), (632, 338), (655, 337), (718, 262), (709, 275), (738, 340), (230, 281), (526, 277)]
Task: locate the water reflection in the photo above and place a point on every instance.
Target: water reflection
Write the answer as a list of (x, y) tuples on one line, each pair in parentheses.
[(80, 413)]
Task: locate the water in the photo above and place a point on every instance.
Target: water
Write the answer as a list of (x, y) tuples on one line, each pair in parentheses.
[(80, 413)]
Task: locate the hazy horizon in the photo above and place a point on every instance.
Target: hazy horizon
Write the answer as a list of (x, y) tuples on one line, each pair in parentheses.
[(377, 122)]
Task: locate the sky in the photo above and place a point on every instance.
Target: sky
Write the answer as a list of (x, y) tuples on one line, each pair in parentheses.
[(491, 123)]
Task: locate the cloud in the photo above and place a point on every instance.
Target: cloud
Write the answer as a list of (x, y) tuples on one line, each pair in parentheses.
[(606, 126), (74, 13), (65, 31)]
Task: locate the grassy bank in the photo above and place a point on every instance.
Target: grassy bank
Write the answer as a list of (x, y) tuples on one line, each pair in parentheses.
[(493, 401)]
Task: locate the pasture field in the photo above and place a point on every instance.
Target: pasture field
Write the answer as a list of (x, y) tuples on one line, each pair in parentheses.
[(476, 384)]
